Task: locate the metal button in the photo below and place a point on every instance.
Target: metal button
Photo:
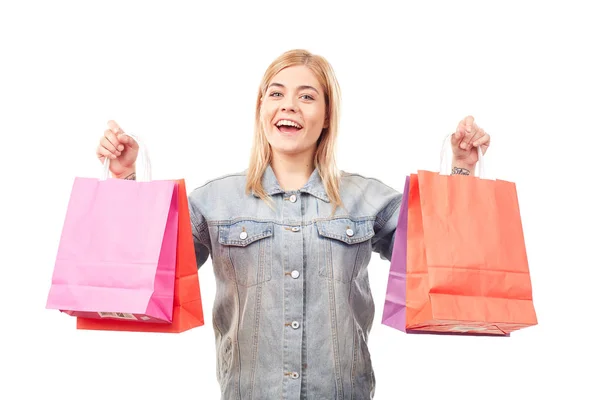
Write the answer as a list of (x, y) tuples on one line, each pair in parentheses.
[(243, 235), (295, 228), (293, 198), (349, 232), (295, 274), (295, 375), (295, 325)]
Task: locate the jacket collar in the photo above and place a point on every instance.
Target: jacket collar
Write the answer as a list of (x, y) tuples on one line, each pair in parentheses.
[(314, 186)]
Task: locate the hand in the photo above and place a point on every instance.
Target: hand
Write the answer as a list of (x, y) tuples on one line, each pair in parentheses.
[(465, 140), (121, 150)]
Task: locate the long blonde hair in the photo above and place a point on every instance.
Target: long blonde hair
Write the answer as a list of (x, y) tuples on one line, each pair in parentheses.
[(324, 160)]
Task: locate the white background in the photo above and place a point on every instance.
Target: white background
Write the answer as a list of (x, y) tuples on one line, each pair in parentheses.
[(184, 76)]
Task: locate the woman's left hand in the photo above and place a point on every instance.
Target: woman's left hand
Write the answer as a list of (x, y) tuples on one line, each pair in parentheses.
[(465, 140)]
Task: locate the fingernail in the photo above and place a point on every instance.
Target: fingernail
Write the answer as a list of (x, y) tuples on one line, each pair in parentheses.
[(468, 129), (120, 148), (463, 146)]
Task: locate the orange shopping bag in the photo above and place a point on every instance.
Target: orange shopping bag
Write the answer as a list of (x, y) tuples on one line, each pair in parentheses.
[(467, 269), (187, 306)]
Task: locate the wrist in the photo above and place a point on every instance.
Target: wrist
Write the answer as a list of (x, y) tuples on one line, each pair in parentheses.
[(460, 167), (126, 174)]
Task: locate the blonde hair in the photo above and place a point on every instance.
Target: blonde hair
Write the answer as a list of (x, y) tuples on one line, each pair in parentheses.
[(324, 160)]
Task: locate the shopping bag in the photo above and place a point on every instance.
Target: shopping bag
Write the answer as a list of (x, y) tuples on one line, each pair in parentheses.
[(466, 266), (187, 308), (117, 251), (394, 308)]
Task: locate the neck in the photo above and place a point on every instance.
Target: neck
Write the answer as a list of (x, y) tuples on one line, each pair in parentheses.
[(292, 171)]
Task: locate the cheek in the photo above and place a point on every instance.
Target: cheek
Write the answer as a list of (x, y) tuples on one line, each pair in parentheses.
[(267, 112), (317, 117)]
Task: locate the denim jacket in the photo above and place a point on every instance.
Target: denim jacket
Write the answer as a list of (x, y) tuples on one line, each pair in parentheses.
[(293, 307)]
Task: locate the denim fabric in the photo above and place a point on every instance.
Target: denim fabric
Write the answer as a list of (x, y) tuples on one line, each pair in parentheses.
[(293, 307)]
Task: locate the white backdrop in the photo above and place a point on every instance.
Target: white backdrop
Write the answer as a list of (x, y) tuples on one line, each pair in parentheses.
[(184, 76)]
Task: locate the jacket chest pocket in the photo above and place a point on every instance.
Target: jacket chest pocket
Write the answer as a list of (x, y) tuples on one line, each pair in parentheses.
[(344, 241), (247, 245)]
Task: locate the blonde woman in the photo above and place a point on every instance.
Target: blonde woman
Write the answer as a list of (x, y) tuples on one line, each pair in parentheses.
[(290, 239)]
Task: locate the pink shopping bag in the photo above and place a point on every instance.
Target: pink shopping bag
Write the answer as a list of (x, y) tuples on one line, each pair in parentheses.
[(117, 251)]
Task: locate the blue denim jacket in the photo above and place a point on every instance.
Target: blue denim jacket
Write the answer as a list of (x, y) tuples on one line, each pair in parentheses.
[(293, 307)]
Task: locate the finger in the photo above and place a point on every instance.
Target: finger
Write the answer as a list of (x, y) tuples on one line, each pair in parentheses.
[(469, 122), (111, 137), (483, 141), (459, 134), (127, 140), (465, 144), (103, 152), (113, 126), (477, 134)]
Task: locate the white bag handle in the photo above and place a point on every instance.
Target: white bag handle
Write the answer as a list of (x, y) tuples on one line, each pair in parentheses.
[(446, 167), (143, 167)]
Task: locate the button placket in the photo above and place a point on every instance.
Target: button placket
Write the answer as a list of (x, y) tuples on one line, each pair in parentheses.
[(293, 288)]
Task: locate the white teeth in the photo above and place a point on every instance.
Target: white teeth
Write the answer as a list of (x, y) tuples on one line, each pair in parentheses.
[(289, 123)]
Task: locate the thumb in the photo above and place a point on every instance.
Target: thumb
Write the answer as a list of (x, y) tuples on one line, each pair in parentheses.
[(457, 136), (128, 141)]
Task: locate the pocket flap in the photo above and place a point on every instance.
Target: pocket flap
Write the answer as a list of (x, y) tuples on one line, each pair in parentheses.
[(346, 230), (242, 233)]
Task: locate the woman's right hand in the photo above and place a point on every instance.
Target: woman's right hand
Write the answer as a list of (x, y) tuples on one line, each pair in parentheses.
[(120, 149)]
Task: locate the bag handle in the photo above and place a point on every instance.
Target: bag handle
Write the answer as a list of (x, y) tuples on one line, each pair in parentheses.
[(143, 166), (446, 167)]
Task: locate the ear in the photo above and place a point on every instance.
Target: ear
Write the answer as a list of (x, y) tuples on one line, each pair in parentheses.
[(326, 123)]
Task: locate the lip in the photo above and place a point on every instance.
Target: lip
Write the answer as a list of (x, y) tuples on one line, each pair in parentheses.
[(288, 119)]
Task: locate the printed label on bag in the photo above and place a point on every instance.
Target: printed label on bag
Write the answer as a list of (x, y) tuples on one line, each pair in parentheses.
[(466, 328), (144, 318), (117, 315)]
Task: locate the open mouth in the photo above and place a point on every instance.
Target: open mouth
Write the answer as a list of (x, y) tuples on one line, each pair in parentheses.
[(288, 126)]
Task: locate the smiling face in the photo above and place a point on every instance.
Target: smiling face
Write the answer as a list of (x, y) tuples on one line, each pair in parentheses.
[(293, 111)]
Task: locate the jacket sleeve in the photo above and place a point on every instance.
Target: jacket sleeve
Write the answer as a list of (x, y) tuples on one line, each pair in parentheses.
[(200, 233), (385, 227)]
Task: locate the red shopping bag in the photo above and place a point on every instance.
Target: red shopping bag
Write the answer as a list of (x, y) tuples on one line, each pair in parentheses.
[(466, 262)]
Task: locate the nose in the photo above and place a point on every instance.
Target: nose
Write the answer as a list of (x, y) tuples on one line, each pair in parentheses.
[(289, 105)]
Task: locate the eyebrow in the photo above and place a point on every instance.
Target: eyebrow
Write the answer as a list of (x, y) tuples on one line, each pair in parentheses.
[(301, 87)]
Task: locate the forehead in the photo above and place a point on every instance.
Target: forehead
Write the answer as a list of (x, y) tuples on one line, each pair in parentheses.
[(295, 76)]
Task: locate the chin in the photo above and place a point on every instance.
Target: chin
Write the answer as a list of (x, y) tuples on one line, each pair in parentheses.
[(287, 150)]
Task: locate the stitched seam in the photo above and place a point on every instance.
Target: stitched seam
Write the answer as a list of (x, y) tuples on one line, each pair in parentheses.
[(237, 174), (350, 174), (237, 295), (345, 240), (261, 279), (247, 241), (354, 356), (277, 222), (334, 338)]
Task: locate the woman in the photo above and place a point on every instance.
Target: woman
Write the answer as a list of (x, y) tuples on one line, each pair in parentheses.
[(290, 240)]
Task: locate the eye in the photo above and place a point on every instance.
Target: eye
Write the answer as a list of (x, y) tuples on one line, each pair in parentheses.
[(306, 97), (275, 94)]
